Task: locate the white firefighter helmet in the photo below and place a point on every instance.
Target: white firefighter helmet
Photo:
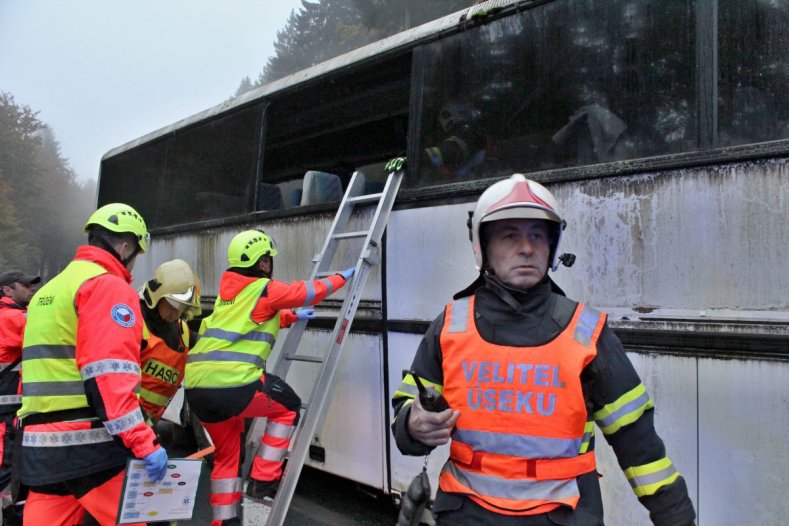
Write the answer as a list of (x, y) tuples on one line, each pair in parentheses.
[(175, 282), (515, 198)]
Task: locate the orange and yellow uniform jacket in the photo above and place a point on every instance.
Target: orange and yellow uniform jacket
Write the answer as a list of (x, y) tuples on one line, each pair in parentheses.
[(162, 361), (81, 373), (12, 328), (217, 397), (533, 373)]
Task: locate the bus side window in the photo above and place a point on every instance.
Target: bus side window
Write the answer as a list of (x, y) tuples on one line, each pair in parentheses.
[(321, 187)]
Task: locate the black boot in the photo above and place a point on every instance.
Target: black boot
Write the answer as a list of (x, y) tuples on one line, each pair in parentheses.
[(262, 490)]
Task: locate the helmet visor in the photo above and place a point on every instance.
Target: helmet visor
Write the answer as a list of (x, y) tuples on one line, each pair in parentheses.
[(182, 297), (180, 307)]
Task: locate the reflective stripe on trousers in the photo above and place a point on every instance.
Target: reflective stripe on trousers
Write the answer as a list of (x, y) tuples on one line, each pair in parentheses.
[(225, 498)]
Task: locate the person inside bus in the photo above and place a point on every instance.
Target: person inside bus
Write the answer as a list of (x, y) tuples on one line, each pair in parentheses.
[(226, 381), (527, 372), (461, 149)]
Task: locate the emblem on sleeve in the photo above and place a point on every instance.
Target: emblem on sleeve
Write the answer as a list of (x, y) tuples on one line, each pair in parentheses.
[(122, 315)]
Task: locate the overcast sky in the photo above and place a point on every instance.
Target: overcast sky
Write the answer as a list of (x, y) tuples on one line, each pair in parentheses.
[(104, 72)]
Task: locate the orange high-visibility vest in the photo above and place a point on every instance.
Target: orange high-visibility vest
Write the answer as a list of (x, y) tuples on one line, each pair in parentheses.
[(517, 449), (162, 370)]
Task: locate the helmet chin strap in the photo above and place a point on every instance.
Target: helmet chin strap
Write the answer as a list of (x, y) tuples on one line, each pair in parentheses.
[(270, 273)]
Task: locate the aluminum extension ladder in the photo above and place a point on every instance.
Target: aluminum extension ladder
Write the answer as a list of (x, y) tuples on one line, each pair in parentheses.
[(369, 256)]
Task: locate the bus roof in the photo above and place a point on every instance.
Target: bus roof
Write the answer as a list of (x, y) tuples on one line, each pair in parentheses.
[(394, 43)]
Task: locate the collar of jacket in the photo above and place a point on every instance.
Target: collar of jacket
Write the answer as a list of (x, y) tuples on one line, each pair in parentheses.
[(104, 259)]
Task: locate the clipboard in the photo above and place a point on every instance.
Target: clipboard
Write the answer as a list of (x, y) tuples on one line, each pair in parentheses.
[(172, 498)]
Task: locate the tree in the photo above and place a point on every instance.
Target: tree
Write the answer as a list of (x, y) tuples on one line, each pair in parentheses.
[(18, 142), (42, 206), (325, 29), (244, 86)]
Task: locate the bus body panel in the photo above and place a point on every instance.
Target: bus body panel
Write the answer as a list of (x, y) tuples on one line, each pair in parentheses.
[(681, 236), (352, 433), (299, 240), (680, 250)]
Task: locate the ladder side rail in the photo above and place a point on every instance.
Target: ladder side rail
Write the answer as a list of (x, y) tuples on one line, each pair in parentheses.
[(341, 219), (321, 389), (384, 209), (367, 259), (306, 430), (292, 339), (295, 332)]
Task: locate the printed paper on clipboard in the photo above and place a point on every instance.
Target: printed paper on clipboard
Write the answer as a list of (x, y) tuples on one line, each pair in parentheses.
[(171, 498)]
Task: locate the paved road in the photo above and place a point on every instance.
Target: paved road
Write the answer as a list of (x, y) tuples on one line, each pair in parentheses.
[(320, 500), (323, 500)]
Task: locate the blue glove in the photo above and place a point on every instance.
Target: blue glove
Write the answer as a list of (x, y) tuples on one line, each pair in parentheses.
[(305, 314), (347, 273), (156, 464)]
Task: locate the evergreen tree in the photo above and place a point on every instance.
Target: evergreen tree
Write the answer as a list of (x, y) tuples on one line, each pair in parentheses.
[(42, 205), (244, 86), (324, 29), (18, 144)]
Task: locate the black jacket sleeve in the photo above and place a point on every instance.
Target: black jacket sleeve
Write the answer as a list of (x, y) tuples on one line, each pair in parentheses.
[(426, 365)]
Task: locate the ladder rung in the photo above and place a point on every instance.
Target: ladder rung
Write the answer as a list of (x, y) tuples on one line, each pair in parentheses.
[(369, 198), (326, 274), (348, 235), (304, 358)]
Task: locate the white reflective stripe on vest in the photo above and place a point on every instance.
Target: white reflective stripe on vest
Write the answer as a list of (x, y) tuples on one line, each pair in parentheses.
[(65, 438), (227, 356), (230, 336), (459, 320), (154, 398), (518, 445), (587, 322), (53, 388), (513, 489), (38, 352)]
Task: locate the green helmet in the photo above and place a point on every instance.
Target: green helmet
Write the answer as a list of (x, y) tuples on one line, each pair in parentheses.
[(247, 247), (121, 219)]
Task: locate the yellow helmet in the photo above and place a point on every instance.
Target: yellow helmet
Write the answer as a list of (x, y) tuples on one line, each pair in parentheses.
[(122, 219), (175, 282), (247, 247)]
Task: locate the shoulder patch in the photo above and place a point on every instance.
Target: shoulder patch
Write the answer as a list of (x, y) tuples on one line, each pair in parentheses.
[(122, 315)]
